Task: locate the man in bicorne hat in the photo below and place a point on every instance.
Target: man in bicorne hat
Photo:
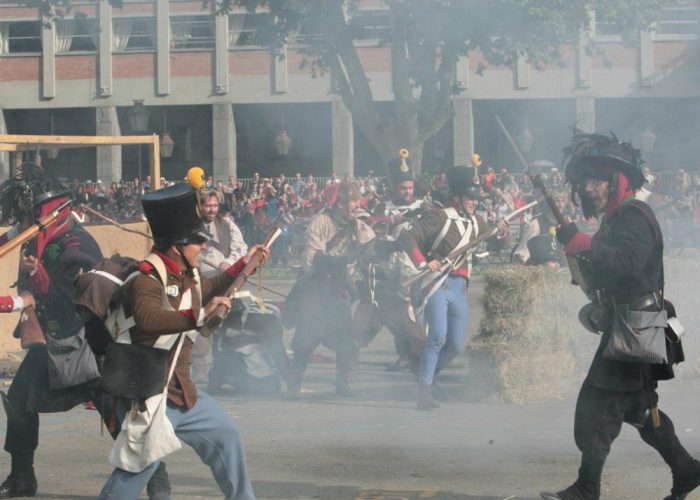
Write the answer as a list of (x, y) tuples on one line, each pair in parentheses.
[(49, 264), (624, 269), (198, 420)]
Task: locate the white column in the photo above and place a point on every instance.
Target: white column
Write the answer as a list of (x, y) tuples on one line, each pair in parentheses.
[(585, 113), (279, 70), (4, 155), (343, 139), (223, 141), (462, 131), (105, 49), (109, 158), (646, 58), (221, 24), (584, 63), (522, 72), (48, 60), (163, 47)]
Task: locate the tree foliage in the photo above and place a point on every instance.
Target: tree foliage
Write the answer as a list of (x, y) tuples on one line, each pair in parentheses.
[(426, 39)]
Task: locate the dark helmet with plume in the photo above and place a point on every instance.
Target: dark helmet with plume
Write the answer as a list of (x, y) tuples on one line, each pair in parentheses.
[(597, 156), (22, 195), (460, 181)]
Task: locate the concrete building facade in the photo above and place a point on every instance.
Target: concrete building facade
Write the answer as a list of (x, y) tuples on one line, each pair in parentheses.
[(225, 103)]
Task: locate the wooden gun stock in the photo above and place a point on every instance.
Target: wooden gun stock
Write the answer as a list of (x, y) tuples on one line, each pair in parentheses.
[(216, 318), (30, 332)]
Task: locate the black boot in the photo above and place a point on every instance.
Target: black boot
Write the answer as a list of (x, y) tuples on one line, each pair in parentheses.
[(342, 384), (400, 365), (344, 363), (158, 487), (685, 479), (425, 400), (21, 482), (586, 487), (438, 392), (573, 492)]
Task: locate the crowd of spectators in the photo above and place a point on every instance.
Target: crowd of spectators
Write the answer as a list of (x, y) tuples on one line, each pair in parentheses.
[(259, 203)]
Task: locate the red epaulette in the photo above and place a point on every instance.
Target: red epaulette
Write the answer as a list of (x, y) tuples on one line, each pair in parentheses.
[(146, 267)]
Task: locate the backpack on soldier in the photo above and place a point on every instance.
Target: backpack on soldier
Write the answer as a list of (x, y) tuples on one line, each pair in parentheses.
[(128, 370), (96, 294)]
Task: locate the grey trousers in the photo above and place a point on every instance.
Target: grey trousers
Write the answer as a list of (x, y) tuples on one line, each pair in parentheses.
[(213, 434)]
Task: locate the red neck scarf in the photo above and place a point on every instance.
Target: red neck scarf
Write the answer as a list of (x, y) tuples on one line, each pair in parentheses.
[(623, 193), (55, 230)]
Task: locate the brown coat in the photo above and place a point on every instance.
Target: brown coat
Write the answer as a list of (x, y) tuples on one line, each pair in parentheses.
[(142, 299), (418, 240)]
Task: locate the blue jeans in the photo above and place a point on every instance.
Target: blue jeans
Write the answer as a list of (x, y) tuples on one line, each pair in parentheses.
[(213, 434), (447, 314)]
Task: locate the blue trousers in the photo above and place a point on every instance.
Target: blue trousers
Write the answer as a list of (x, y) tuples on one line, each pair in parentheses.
[(213, 434), (447, 314)]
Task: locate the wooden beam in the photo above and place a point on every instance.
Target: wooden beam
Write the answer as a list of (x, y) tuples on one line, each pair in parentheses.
[(78, 140), (154, 160)]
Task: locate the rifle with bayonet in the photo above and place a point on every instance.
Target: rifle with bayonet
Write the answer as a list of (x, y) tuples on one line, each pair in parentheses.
[(576, 266)]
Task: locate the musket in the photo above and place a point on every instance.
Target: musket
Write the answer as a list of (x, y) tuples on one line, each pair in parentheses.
[(469, 247), (113, 222), (32, 230), (29, 330), (214, 320), (577, 276), (266, 288)]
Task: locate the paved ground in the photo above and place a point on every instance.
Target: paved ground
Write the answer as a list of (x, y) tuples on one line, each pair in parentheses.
[(378, 446)]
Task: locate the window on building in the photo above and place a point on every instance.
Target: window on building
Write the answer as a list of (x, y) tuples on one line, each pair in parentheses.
[(133, 34), (76, 35), (192, 32), (242, 28), (20, 37), (604, 31), (681, 22), (371, 24)]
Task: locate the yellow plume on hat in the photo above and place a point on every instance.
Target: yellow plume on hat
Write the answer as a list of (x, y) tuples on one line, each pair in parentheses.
[(403, 154), (476, 160), (195, 177)]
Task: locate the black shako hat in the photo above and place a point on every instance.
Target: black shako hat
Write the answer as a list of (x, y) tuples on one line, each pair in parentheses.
[(589, 154), (174, 215), (400, 168), (460, 181), (543, 248)]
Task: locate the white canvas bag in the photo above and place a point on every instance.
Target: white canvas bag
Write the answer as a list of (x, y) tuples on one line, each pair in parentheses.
[(146, 436)]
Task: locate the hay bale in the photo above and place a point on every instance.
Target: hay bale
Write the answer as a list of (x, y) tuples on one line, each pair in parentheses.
[(526, 349), (682, 274)]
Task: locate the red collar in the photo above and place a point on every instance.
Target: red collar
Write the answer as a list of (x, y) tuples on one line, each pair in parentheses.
[(171, 265)]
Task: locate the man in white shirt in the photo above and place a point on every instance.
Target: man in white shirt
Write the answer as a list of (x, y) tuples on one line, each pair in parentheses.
[(224, 248)]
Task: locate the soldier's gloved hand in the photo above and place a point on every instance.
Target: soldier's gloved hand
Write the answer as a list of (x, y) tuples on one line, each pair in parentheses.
[(566, 233)]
